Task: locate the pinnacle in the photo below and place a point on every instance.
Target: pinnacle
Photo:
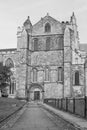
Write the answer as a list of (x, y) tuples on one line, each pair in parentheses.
[(47, 14)]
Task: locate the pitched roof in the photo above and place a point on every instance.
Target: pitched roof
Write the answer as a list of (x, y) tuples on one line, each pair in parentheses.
[(46, 18), (57, 27), (9, 49), (27, 21)]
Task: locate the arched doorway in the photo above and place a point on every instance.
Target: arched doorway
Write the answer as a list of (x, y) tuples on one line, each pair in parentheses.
[(36, 92)]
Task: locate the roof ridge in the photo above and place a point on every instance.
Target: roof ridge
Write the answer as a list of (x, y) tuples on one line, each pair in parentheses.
[(48, 17), (8, 49)]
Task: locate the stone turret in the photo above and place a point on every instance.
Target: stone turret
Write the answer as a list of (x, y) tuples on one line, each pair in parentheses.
[(73, 19), (28, 25), (23, 41), (23, 34), (67, 62), (74, 26)]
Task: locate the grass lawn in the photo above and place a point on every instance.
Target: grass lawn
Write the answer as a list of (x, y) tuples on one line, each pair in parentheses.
[(9, 106)]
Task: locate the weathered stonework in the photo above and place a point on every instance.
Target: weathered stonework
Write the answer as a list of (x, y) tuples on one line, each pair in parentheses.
[(53, 90), (56, 42), (47, 58), (78, 90), (49, 71)]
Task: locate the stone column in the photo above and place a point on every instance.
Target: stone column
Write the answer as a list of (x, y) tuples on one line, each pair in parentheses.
[(67, 63), (22, 66)]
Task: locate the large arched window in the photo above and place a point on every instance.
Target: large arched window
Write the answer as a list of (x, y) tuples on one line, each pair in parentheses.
[(77, 78), (35, 44), (48, 44), (12, 87), (9, 63), (47, 27)]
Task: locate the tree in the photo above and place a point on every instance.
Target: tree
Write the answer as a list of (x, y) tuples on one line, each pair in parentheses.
[(5, 74)]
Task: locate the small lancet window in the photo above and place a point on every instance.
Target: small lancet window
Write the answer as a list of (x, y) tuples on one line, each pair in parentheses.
[(34, 75), (35, 44), (47, 27), (77, 78), (60, 74), (47, 74), (48, 44)]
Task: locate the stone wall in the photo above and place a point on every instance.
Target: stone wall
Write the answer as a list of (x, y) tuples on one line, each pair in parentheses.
[(78, 90), (56, 42), (53, 90), (46, 62), (56, 26), (47, 58), (67, 63), (11, 55)]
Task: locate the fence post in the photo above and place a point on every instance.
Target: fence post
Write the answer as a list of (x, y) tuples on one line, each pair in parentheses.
[(55, 102), (58, 103), (85, 106), (61, 104), (73, 105), (66, 104)]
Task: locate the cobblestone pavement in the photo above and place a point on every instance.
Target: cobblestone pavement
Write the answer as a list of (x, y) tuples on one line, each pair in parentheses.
[(35, 117)]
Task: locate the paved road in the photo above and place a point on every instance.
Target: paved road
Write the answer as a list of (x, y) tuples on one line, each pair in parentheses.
[(35, 117)]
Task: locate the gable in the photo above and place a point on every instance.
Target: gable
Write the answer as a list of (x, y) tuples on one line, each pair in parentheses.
[(39, 27)]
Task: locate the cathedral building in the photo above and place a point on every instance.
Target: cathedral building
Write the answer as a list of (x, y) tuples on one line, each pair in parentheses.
[(48, 61)]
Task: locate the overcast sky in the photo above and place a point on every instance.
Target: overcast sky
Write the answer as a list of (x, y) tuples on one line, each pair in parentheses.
[(14, 12)]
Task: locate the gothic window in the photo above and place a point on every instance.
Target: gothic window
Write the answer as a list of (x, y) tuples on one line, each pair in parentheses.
[(48, 44), (34, 75), (60, 43), (77, 78), (60, 74), (46, 74), (35, 44), (9, 63), (47, 27), (12, 87)]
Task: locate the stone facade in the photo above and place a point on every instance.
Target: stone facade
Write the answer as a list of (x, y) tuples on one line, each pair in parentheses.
[(47, 61)]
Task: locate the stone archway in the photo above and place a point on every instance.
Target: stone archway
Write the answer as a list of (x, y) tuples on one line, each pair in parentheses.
[(36, 92)]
